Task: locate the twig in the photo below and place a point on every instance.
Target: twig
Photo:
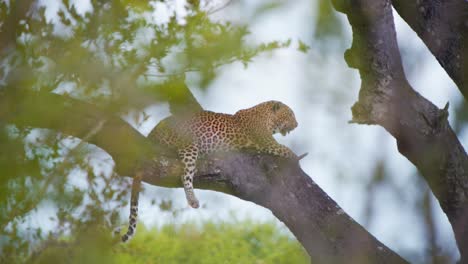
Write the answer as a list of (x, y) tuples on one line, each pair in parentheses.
[(219, 8)]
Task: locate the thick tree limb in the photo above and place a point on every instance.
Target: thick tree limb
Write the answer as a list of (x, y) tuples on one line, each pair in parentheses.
[(327, 233), (443, 27), (421, 129)]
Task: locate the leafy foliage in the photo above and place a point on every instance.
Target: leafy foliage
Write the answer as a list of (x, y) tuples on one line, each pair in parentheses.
[(106, 53), (121, 55), (327, 24)]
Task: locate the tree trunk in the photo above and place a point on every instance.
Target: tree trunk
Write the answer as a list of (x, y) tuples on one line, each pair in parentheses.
[(422, 131)]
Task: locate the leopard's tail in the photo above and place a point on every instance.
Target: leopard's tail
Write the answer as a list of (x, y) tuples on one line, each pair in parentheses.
[(133, 208)]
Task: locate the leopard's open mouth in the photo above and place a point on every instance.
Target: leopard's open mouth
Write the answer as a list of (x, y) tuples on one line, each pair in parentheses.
[(285, 131)]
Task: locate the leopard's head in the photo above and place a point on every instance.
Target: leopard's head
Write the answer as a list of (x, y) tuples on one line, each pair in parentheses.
[(269, 117), (282, 119)]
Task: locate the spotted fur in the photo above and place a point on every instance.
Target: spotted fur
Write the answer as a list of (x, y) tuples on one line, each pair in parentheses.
[(206, 132)]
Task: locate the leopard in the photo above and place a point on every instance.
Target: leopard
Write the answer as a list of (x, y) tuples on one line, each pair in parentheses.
[(206, 132)]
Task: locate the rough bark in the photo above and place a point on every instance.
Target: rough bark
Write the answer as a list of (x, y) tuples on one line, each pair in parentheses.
[(443, 27), (327, 233), (422, 131)]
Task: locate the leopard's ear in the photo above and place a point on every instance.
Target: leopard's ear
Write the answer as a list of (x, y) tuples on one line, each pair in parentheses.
[(276, 106)]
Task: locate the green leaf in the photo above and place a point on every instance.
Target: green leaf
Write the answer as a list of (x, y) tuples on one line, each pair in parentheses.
[(302, 47)]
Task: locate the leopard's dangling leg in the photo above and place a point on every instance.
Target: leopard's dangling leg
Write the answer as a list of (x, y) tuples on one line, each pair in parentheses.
[(132, 219), (189, 157)]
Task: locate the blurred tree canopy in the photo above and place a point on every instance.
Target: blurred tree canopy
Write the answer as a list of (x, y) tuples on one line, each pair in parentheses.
[(115, 54)]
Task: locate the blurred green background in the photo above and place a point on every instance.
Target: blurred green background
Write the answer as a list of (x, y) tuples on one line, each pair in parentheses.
[(211, 243)]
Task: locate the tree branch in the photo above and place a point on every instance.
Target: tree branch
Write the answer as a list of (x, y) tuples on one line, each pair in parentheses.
[(443, 27), (76, 118), (422, 131), (327, 233)]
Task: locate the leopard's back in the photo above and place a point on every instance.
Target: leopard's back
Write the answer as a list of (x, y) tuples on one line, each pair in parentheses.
[(210, 131)]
